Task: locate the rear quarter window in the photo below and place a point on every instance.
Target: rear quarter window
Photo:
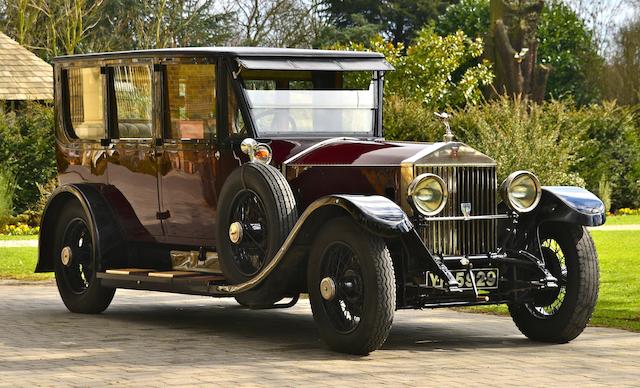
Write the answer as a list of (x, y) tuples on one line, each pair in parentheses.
[(85, 103)]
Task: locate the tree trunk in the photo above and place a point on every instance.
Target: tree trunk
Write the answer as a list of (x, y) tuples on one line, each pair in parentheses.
[(512, 47)]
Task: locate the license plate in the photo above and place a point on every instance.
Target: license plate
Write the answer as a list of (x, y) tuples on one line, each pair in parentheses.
[(486, 279)]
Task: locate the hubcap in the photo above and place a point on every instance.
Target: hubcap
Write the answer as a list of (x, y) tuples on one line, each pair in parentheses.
[(65, 256), (327, 288), (235, 232)]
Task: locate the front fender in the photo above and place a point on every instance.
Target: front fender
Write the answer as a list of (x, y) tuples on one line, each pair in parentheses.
[(569, 204), (375, 213)]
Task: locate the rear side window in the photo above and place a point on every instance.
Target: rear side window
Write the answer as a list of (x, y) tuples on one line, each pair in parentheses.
[(134, 104), (191, 98), (85, 103)]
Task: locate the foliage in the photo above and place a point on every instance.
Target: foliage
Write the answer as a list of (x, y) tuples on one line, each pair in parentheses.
[(566, 44), (611, 147), (517, 134), (621, 81), (7, 187), (19, 230), (521, 135), (275, 23), (470, 16), (19, 263), (604, 192), (397, 20), (27, 150), (625, 211), (427, 73)]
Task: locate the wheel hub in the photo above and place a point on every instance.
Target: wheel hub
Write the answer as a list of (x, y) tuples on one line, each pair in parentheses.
[(328, 288), (236, 232), (65, 256)]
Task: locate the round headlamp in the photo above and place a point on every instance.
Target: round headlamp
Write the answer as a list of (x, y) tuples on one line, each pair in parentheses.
[(428, 194), (521, 191), (257, 152)]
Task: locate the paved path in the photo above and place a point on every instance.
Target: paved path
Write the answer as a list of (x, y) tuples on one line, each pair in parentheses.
[(18, 243), (617, 227), (154, 339)]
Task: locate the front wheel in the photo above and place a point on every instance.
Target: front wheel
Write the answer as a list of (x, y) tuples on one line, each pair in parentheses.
[(351, 287), (560, 315)]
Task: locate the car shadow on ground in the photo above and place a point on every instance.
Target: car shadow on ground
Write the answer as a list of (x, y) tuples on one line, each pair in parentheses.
[(295, 329)]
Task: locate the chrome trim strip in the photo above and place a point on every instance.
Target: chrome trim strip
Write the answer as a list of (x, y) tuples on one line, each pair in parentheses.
[(431, 148), (316, 146), (470, 218)]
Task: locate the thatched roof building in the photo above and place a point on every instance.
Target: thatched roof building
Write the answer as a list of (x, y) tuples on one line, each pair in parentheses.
[(23, 76)]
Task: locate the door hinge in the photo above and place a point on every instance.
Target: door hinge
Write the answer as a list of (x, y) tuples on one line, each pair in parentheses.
[(163, 215)]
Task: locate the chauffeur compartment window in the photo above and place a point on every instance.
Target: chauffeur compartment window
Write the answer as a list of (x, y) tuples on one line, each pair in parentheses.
[(191, 95)]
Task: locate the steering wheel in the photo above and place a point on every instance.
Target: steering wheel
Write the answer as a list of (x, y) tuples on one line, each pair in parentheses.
[(274, 123)]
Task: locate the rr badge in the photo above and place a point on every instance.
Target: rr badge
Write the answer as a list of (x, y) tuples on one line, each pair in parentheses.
[(466, 209)]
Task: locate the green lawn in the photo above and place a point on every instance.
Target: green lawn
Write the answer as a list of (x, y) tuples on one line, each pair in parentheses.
[(4, 237), (623, 220), (19, 263)]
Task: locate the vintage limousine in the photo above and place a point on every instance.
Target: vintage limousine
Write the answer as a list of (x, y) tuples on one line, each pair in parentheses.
[(263, 174)]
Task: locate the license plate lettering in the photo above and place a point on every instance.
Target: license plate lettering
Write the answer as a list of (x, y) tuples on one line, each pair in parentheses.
[(486, 279)]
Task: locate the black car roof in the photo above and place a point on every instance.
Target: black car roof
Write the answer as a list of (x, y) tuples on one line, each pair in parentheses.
[(267, 52)]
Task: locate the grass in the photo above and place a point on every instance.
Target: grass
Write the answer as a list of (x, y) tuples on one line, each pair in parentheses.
[(619, 298), (4, 237), (19, 263), (623, 220)]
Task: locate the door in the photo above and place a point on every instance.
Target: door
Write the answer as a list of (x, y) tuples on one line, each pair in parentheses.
[(188, 164), (132, 168)]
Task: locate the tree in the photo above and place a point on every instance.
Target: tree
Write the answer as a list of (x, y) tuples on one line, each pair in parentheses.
[(566, 45), (397, 20), (428, 70), (512, 47), (621, 81), (278, 23)]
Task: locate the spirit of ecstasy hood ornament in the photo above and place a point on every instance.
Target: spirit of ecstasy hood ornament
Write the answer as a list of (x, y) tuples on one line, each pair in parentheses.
[(444, 116)]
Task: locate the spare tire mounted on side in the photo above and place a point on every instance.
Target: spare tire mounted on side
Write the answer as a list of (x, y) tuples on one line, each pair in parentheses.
[(256, 212)]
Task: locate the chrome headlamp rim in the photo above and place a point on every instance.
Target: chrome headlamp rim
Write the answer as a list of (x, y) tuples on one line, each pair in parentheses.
[(411, 191), (506, 185)]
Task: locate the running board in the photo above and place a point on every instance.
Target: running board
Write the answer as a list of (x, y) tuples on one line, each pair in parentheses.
[(181, 282)]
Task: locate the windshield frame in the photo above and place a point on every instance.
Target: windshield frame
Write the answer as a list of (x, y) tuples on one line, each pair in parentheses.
[(375, 132)]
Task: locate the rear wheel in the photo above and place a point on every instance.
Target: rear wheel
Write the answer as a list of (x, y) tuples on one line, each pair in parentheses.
[(75, 263), (560, 315), (351, 287)]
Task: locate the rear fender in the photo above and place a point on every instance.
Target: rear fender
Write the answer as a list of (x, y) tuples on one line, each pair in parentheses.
[(105, 231)]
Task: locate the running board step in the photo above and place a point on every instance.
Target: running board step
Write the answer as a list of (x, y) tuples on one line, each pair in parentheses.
[(182, 282)]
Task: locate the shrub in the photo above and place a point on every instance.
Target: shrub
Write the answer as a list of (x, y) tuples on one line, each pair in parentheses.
[(521, 135), (610, 148), (517, 134), (7, 186), (431, 69), (27, 150)]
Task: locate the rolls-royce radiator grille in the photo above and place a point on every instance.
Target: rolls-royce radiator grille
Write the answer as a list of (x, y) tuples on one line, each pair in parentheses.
[(474, 185)]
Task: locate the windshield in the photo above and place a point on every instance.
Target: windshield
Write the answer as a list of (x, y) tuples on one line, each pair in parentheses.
[(311, 102)]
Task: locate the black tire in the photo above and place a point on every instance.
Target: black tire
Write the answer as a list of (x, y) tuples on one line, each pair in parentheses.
[(268, 191), (364, 284), (561, 317), (77, 283)]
